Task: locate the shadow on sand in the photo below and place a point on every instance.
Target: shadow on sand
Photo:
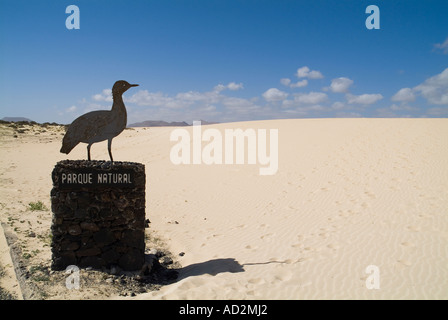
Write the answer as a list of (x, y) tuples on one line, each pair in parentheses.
[(163, 275), (212, 267), (216, 266)]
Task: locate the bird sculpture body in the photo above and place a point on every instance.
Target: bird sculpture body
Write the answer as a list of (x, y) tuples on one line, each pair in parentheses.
[(99, 125)]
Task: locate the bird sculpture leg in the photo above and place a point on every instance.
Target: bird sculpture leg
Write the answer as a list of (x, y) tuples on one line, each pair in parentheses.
[(109, 147), (88, 151)]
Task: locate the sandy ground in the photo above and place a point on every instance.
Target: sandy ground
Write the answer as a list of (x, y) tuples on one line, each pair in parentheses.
[(348, 194)]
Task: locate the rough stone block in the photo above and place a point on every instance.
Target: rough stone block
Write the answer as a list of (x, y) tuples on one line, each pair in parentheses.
[(98, 214)]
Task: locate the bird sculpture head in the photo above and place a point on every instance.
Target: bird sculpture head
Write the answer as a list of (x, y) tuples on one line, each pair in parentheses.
[(121, 87)]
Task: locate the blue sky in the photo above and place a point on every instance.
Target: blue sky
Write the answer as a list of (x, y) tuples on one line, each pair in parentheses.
[(231, 60)]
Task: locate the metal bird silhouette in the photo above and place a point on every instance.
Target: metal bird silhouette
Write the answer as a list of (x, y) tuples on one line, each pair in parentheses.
[(100, 125)]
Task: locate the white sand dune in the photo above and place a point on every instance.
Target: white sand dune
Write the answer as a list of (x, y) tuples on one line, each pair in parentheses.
[(348, 193)]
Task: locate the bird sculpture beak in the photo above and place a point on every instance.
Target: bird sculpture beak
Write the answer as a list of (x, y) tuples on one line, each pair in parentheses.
[(134, 85)]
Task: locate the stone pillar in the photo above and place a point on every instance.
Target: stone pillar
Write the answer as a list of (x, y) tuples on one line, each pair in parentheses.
[(98, 214)]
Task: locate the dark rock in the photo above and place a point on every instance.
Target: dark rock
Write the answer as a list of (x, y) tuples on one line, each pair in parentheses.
[(87, 240), (57, 220), (84, 199), (132, 260), (91, 226), (104, 225), (104, 237), (137, 224), (149, 261), (118, 221), (92, 261), (166, 260), (74, 230), (63, 259), (88, 252), (133, 238), (105, 197), (105, 214), (110, 256), (121, 203), (93, 213), (80, 213), (69, 245), (115, 270)]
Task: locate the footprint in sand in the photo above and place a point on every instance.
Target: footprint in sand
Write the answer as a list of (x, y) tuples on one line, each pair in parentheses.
[(213, 236), (257, 281), (408, 244), (323, 235), (333, 246), (413, 228), (345, 213), (285, 276), (404, 263), (289, 261), (266, 236), (249, 247), (369, 194)]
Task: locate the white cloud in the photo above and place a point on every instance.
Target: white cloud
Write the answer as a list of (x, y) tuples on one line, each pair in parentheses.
[(180, 100), (105, 95), (435, 89), (338, 105), (235, 86), (391, 112), (231, 86), (438, 111), (363, 98), (442, 46), (310, 98), (239, 105), (315, 107), (273, 94), (305, 72), (340, 85), (300, 99), (95, 106), (150, 99), (385, 113), (348, 115), (195, 96), (219, 88), (402, 107), (405, 94), (298, 84), (71, 109), (209, 108), (285, 81)]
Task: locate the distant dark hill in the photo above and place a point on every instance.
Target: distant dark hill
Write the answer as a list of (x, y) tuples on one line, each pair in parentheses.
[(159, 123), (155, 123), (205, 122), (16, 119)]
